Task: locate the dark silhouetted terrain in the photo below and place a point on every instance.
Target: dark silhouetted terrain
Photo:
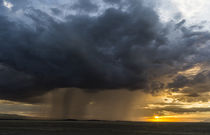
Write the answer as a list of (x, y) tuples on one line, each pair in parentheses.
[(37, 127)]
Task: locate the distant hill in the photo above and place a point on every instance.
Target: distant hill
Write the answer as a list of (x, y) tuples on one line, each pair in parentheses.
[(12, 117)]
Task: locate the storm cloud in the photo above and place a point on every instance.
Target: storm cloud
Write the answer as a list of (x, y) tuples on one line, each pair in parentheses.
[(181, 110), (124, 46)]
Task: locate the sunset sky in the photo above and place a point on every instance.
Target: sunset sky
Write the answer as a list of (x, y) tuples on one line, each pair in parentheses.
[(135, 60)]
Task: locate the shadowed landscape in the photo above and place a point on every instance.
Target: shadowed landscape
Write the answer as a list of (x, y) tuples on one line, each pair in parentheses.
[(37, 127)]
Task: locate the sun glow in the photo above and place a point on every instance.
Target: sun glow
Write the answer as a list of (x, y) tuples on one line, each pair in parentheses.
[(163, 119), (156, 117)]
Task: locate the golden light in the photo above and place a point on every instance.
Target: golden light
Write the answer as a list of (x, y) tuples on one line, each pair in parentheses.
[(157, 118)]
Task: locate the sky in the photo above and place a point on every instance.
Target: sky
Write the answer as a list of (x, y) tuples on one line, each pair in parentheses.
[(136, 60)]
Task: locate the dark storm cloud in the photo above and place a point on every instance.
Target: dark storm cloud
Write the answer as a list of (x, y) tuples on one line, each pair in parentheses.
[(112, 1), (179, 82), (118, 49), (192, 89), (85, 5), (193, 95), (178, 25), (56, 11), (181, 110), (194, 85)]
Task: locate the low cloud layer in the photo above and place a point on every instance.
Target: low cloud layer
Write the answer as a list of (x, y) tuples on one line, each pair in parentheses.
[(181, 110), (122, 46)]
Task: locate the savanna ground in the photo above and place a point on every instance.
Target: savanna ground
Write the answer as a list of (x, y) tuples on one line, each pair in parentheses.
[(35, 127)]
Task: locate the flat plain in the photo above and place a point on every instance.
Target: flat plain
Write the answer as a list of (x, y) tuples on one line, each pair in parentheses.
[(38, 127)]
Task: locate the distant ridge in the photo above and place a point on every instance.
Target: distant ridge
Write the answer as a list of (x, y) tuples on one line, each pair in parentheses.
[(13, 117)]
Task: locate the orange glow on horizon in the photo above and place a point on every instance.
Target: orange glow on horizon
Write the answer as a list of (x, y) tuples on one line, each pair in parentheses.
[(163, 119)]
